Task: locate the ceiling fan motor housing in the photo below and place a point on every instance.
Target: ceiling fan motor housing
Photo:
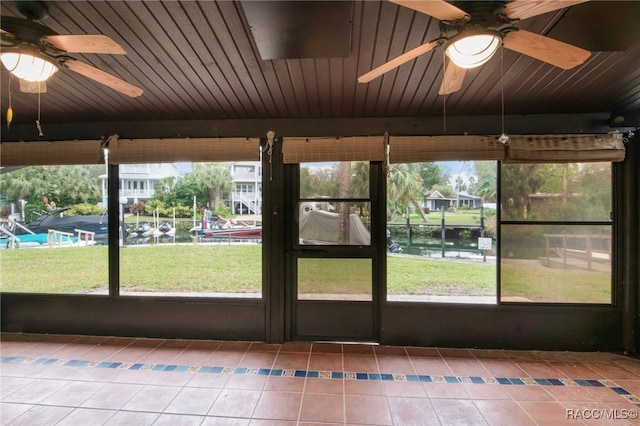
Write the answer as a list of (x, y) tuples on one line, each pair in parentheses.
[(34, 10), (481, 15)]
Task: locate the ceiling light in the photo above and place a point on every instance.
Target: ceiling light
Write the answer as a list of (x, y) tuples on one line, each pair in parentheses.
[(28, 66), (471, 49)]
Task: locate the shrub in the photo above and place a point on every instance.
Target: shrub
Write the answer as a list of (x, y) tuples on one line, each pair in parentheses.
[(137, 208), (83, 209)]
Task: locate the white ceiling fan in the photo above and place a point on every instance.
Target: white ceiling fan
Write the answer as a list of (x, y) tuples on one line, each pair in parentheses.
[(472, 31)]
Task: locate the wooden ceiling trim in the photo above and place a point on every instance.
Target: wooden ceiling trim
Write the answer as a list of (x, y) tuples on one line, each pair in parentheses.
[(396, 26), (600, 73), (220, 18), (275, 89), (349, 65), (309, 77), (127, 67), (182, 45), (368, 42), (294, 67), (284, 86), (413, 80), (630, 87), (176, 75), (323, 85), (154, 77), (237, 25), (78, 88), (335, 90), (218, 72), (422, 88), (197, 60)]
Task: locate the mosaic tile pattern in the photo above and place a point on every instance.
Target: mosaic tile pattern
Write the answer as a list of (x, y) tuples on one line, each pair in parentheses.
[(327, 375)]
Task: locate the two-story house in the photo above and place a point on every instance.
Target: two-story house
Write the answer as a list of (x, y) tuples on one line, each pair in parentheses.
[(137, 181), (246, 197)]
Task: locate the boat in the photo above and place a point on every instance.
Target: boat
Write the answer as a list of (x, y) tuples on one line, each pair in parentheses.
[(53, 219), (166, 228), (142, 229), (234, 232), (215, 226)]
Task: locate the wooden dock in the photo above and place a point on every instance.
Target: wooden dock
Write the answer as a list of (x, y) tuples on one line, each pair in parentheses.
[(561, 252)]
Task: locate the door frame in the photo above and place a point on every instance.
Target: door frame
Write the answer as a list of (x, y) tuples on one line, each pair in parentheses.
[(333, 315)]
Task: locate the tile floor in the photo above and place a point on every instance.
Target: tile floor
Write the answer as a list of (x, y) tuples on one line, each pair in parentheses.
[(86, 381)]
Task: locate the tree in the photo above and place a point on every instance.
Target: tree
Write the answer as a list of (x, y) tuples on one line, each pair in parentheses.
[(44, 187), (404, 186), (486, 185), (77, 184), (518, 181), (214, 179), (432, 174)]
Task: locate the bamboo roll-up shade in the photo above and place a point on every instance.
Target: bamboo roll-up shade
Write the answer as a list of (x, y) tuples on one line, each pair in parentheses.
[(423, 149), (56, 153), (310, 150), (139, 151), (565, 148)]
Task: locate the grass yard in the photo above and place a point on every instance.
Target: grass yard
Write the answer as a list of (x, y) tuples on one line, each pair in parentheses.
[(60, 270), (334, 276), (203, 268), (414, 275), (182, 268), (462, 217), (224, 269), (238, 269), (541, 284)]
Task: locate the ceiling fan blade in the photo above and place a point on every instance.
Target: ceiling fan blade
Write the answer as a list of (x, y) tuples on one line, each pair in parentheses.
[(85, 44), (452, 80), (523, 9), (396, 62), (549, 50), (439, 9), (102, 77), (33, 86)]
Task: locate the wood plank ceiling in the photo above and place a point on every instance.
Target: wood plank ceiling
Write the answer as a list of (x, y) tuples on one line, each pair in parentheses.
[(199, 60)]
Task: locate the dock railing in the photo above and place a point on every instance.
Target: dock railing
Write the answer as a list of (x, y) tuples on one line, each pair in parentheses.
[(59, 238), (574, 257), (86, 237)]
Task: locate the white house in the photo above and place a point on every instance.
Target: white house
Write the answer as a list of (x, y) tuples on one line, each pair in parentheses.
[(137, 181), (246, 197)]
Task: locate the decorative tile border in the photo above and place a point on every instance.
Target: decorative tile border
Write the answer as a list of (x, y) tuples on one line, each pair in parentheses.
[(327, 375)]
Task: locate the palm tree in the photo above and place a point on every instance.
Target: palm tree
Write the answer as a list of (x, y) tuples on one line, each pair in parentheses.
[(518, 182), (76, 184), (214, 179), (403, 187)]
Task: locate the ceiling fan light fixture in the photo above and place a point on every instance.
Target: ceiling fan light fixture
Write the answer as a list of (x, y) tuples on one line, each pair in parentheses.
[(28, 66), (473, 48)]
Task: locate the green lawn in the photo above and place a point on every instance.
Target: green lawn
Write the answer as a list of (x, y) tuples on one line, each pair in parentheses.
[(413, 275), (238, 269), (555, 285), (222, 268), (462, 217), (182, 268)]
